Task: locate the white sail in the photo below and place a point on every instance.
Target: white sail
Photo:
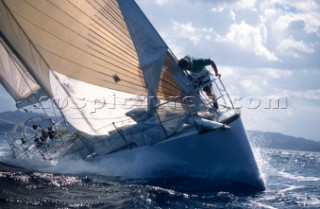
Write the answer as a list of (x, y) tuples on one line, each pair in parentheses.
[(90, 108), (17, 81), (104, 66), (107, 45)]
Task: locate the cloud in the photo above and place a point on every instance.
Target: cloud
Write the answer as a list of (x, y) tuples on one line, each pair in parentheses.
[(292, 24), (283, 20), (306, 11), (299, 103), (306, 95), (161, 2), (258, 40), (192, 33), (244, 4), (291, 45), (277, 74), (249, 38), (220, 6), (277, 30)]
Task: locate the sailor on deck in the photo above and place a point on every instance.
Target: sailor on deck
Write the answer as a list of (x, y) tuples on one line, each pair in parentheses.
[(199, 73), (40, 136)]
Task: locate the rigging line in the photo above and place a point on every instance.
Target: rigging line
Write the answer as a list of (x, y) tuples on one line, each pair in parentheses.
[(124, 106), (128, 118), (111, 124), (169, 51), (120, 133), (54, 112), (114, 98), (71, 114)]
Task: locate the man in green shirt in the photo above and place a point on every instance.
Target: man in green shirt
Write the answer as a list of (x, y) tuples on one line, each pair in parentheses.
[(200, 75)]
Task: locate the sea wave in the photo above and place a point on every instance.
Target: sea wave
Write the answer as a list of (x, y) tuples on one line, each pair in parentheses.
[(298, 177)]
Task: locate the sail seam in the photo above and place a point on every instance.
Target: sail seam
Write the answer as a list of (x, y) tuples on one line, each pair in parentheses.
[(75, 47)]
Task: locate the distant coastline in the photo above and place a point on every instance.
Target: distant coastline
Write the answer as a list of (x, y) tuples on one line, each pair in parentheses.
[(273, 140), (260, 139)]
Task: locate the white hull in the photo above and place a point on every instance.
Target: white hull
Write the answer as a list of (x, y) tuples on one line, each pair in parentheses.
[(217, 154)]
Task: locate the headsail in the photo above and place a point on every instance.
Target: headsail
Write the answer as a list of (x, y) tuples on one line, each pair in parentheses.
[(17, 81), (94, 43), (150, 48)]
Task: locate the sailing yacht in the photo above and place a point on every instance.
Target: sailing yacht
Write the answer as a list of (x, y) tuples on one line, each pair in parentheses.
[(114, 79)]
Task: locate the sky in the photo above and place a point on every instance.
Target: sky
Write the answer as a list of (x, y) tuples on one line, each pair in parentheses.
[(268, 53)]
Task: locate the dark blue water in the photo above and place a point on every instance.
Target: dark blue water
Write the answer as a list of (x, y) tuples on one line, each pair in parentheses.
[(292, 180)]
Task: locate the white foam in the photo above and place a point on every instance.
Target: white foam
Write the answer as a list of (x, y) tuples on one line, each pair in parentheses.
[(140, 166), (309, 201), (290, 188), (262, 163), (298, 178), (262, 205)]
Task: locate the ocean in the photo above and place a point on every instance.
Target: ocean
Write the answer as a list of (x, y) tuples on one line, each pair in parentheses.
[(292, 179)]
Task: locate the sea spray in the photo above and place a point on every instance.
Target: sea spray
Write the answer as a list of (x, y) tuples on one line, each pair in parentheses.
[(142, 166), (262, 160)]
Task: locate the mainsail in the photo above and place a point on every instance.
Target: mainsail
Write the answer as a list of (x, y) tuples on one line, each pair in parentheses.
[(97, 58)]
